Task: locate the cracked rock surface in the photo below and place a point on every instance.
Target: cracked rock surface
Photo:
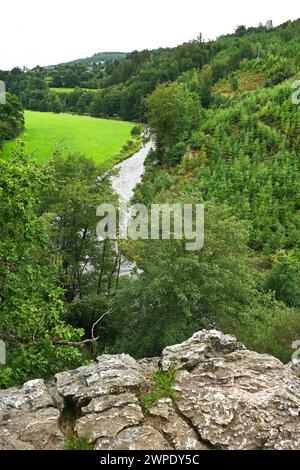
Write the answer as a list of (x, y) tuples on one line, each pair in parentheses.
[(29, 419), (228, 398)]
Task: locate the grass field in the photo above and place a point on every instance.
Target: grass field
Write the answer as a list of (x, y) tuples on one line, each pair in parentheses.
[(99, 139), (69, 90)]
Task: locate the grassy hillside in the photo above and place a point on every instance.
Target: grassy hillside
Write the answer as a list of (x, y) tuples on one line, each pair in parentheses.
[(99, 139)]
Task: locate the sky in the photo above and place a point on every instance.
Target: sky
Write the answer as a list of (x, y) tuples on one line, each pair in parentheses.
[(44, 32)]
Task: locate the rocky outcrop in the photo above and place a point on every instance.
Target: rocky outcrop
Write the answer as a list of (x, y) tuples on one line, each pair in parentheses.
[(29, 418), (227, 397)]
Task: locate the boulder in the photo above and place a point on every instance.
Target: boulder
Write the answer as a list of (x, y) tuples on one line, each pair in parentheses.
[(235, 398), (111, 374), (29, 419)]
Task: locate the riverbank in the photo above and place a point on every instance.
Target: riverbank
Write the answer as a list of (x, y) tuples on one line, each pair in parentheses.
[(132, 146)]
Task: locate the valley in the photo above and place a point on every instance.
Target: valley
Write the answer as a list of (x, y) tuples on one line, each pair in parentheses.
[(225, 133)]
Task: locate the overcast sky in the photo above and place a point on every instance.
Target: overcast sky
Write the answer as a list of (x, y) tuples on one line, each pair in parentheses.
[(47, 32)]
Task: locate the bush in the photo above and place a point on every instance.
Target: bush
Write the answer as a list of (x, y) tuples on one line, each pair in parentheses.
[(284, 278), (176, 153), (136, 131)]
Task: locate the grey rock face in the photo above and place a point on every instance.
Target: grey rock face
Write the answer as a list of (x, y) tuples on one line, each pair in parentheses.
[(179, 433), (241, 400), (29, 419), (200, 346), (228, 398), (109, 423), (111, 374), (135, 438), (294, 366)]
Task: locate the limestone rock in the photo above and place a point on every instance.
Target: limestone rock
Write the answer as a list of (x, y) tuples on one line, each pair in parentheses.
[(238, 399), (228, 398), (135, 438), (29, 419), (109, 423), (111, 374), (181, 435), (100, 404), (294, 366), (200, 346), (149, 365)]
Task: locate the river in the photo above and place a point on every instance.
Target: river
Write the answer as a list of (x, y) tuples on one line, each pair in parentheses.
[(130, 173)]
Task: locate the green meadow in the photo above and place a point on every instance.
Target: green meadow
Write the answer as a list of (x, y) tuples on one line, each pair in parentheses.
[(96, 138)]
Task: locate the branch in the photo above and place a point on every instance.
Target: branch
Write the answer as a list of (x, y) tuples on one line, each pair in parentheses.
[(39, 342), (99, 319)]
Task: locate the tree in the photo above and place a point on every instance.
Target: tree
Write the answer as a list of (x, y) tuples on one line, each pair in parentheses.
[(173, 113), (39, 342), (284, 278), (11, 118), (234, 84), (180, 292), (241, 30), (88, 271)]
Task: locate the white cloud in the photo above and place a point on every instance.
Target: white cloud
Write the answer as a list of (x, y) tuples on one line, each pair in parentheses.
[(42, 32)]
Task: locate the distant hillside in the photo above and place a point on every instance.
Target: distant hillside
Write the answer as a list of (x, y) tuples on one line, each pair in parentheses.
[(100, 57)]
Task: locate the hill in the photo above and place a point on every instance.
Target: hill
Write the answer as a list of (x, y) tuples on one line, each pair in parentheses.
[(99, 57)]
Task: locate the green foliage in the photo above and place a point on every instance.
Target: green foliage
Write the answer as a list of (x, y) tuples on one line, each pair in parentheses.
[(176, 153), (136, 131), (252, 164), (179, 291), (284, 278), (88, 267), (268, 327), (11, 118), (173, 114), (73, 442), (161, 387), (234, 84), (32, 309)]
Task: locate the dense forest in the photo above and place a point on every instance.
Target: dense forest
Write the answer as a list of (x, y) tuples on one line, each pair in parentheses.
[(250, 58), (227, 134)]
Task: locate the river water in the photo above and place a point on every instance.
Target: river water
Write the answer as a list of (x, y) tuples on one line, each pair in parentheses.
[(130, 173)]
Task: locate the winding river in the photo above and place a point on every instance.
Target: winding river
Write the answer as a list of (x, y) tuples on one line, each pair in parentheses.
[(124, 182), (130, 173)]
